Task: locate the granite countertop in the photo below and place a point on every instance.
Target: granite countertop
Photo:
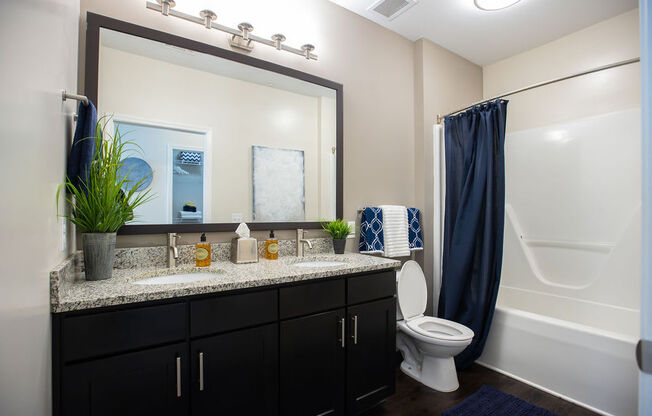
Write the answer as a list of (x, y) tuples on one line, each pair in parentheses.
[(69, 292)]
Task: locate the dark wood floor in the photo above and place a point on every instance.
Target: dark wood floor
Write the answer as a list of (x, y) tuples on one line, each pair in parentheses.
[(413, 398)]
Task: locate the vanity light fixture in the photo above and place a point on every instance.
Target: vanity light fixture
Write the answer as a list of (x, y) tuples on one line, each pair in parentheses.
[(492, 5), (307, 48), (240, 38), (208, 16), (278, 39), (245, 28), (166, 5)]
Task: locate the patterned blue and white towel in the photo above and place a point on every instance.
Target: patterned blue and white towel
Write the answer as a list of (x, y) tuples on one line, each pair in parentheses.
[(414, 229), (371, 230)]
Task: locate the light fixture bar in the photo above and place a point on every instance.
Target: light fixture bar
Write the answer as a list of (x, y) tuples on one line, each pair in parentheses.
[(234, 32)]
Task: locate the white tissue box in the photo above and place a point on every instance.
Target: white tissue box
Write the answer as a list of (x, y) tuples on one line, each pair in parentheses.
[(244, 250)]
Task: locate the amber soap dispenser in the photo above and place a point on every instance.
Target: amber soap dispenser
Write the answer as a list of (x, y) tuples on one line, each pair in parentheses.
[(203, 252), (271, 247)]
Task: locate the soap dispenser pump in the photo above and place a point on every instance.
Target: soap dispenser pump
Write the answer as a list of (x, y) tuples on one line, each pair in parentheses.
[(271, 247), (203, 252)]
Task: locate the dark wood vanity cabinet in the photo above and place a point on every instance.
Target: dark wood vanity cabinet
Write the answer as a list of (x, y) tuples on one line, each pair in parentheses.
[(236, 373), (313, 348), (313, 360), (371, 352), (148, 382)]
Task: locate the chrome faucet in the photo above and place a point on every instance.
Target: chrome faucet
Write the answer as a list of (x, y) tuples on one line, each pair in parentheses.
[(301, 241), (173, 250)]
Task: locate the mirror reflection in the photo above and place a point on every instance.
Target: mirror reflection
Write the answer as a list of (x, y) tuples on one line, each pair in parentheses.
[(221, 141)]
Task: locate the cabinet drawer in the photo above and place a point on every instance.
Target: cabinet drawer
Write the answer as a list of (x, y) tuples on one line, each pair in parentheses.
[(113, 332), (371, 286), (226, 313), (311, 298)]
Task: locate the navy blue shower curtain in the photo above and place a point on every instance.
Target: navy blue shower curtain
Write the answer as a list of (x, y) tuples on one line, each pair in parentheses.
[(473, 221)]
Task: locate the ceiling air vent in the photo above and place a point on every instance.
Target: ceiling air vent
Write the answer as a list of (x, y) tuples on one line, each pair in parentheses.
[(391, 9)]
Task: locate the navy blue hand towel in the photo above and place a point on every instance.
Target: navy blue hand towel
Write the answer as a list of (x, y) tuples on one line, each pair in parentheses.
[(83, 145)]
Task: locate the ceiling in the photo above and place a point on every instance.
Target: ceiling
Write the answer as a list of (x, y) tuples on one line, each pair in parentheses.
[(486, 37)]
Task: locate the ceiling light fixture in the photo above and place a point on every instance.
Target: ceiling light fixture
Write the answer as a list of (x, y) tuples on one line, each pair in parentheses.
[(492, 5)]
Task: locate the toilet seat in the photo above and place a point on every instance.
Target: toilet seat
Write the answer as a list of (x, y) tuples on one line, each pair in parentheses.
[(412, 292), (438, 328)]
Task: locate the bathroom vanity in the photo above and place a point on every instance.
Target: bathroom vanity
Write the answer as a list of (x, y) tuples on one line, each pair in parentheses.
[(263, 339)]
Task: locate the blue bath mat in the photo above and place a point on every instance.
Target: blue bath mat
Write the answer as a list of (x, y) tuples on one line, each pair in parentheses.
[(488, 401)]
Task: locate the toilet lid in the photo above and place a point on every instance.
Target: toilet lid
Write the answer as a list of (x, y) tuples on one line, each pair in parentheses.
[(412, 291)]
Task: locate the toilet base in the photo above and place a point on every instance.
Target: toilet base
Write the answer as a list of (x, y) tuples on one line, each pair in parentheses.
[(437, 373)]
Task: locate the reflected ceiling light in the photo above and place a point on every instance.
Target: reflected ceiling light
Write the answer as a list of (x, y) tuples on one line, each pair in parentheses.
[(491, 5)]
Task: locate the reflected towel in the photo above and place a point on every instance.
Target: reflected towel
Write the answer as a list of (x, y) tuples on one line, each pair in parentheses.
[(395, 230)]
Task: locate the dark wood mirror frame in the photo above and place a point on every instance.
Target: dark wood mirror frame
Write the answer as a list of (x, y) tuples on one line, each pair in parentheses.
[(95, 22)]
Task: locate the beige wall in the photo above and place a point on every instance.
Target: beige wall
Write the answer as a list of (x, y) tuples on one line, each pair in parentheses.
[(38, 61), (239, 114), (375, 66), (612, 40), (444, 82)]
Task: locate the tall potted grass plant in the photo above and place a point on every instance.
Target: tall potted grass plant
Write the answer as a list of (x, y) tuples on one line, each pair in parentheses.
[(103, 204)]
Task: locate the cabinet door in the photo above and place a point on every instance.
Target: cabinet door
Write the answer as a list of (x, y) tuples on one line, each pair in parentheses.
[(150, 382), (236, 373), (370, 353), (312, 365)]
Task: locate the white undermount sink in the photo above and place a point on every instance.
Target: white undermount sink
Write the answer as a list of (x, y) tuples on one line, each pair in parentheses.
[(177, 278), (310, 264)]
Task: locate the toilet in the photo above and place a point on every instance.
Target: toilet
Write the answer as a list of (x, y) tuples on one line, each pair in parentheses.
[(428, 344)]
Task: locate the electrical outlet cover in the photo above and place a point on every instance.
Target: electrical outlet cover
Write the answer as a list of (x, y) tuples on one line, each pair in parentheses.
[(352, 233), (236, 217)]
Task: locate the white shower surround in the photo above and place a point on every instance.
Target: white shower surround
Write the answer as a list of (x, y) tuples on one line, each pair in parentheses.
[(567, 316)]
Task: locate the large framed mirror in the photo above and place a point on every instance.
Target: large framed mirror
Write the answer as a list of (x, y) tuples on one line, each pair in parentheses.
[(221, 137)]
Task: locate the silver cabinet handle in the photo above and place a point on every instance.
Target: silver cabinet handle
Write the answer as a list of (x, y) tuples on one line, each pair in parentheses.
[(343, 334), (178, 376), (355, 329), (201, 371)]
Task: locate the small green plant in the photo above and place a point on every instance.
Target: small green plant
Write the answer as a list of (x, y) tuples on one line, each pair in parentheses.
[(338, 229), (104, 204)]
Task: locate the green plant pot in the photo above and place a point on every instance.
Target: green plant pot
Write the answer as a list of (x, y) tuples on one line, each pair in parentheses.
[(99, 255), (338, 245)]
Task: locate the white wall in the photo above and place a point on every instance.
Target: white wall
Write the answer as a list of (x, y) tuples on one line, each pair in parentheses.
[(612, 40), (38, 55)]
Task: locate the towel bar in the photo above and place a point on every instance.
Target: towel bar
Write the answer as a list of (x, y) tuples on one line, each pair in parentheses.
[(65, 96)]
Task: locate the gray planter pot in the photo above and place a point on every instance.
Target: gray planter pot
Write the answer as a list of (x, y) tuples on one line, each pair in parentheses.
[(338, 246), (99, 255)]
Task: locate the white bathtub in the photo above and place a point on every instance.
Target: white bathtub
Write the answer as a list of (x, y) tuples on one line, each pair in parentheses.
[(589, 362)]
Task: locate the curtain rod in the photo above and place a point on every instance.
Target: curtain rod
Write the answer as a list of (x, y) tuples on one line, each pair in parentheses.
[(440, 118)]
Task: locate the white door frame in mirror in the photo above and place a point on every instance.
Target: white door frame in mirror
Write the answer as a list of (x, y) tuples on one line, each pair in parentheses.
[(207, 132)]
